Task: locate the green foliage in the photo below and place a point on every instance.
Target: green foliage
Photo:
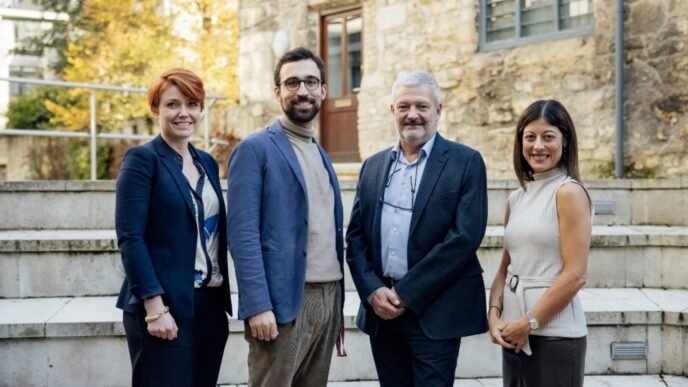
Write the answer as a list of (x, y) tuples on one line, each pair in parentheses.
[(79, 155), (29, 111)]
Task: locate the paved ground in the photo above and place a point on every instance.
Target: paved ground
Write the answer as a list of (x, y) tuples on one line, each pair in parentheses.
[(590, 381)]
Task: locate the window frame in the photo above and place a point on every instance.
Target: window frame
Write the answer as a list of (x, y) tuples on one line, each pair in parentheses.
[(557, 34)]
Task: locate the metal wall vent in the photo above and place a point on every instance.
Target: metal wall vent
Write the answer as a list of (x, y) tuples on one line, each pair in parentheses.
[(636, 350), (604, 207)]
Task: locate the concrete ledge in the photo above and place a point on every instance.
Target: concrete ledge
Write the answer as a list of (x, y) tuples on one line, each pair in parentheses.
[(23, 241), (590, 381), (97, 316), (56, 263), (39, 336), (90, 205)]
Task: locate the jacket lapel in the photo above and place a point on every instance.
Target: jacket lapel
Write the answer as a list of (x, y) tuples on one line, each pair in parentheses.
[(167, 156), (282, 141), (433, 170), (382, 172)]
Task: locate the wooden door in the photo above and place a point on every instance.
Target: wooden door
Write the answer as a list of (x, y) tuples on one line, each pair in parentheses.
[(341, 50)]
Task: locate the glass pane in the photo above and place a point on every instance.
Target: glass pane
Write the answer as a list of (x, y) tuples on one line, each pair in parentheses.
[(334, 57), (354, 26), (537, 17), (17, 88), (500, 20), (24, 31), (575, 13)]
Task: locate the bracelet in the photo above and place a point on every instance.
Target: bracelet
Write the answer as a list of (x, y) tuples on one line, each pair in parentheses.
[(496, 307), (155, 317)]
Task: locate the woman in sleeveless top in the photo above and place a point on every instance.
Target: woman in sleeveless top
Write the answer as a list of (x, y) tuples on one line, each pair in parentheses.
[(535, 313)]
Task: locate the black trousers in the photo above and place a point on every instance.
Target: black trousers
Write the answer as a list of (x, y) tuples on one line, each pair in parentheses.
[(405, 357), (193, 359), (556, 362)]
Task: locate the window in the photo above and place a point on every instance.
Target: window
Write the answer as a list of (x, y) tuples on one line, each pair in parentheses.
[(25, 31), (17, 88), (507, 23)]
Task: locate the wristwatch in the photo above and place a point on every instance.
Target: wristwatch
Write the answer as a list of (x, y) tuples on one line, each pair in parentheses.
[(532, 321)]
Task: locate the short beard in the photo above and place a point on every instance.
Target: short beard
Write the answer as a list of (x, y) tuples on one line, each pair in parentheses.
[(301, 117)]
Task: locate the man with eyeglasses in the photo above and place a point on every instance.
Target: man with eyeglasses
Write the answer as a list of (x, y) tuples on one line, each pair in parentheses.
[(418, 218), (284, 231)]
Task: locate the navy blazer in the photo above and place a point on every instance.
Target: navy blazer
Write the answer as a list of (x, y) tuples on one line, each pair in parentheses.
[(444, 285), (156, 229), (267, 223)]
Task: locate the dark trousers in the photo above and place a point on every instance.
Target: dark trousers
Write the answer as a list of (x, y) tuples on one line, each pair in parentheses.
[(192, 359), (556, 361), (405, 357)]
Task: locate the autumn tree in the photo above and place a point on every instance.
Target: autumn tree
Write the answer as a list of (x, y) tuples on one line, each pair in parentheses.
[(130, 42)]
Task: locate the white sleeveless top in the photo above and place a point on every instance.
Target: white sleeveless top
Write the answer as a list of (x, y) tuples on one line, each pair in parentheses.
[(532, 239)]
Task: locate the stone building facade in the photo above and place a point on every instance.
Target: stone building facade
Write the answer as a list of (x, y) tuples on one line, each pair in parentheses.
[(484, 91)]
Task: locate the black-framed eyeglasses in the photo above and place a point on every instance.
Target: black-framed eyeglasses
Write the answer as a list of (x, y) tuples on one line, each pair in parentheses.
[(292, 84), (412, 180)]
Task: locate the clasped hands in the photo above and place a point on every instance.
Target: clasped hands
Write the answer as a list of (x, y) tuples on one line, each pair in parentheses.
[(387, 304), (511, 335)]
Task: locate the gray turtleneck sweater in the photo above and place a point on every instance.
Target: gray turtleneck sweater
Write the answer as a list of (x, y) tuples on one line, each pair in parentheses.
[(321, 256)]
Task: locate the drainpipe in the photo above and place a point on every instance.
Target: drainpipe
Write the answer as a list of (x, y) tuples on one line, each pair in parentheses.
[(619, 81)]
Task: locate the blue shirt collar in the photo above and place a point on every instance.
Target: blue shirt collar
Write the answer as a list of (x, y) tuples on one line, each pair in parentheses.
[(424, 151)]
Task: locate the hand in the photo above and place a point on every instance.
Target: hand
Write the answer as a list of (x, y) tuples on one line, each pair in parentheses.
[(516, 333), (164, 328), (387, 304), (496, 328), (263, 326)]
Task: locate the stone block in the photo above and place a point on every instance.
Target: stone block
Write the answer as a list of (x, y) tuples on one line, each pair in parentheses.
[(674, 268), (9, 277), (69, 274), (673, 340), (24, 363), (607, 268), (649, 262), (654, 349), (95, 210), (99, 359), (479, 357), (666, 207)]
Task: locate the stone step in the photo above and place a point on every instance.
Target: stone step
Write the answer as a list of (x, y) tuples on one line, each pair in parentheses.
[(57, 263), (41, 338), (590, 381), (90, 205)]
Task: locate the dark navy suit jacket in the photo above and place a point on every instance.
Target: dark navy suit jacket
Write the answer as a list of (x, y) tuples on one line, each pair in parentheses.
[(156, 228), (267, 223), (444, 285)]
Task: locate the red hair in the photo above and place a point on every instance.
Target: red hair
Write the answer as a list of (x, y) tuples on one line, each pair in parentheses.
[(185, 80)]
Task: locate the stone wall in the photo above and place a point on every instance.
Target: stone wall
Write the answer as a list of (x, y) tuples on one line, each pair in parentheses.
[(485, 91)]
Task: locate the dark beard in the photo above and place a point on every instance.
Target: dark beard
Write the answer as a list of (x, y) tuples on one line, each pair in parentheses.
[(301, 117)]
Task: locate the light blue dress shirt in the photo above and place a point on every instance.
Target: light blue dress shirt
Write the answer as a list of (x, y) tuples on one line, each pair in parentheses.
[(401, 189)]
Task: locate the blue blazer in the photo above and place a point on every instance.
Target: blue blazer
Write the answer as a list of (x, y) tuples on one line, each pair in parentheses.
[(156, 229), (267, 223), (444, 285)]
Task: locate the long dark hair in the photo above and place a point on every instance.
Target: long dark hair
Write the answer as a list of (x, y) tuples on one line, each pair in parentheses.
[(555, 114)]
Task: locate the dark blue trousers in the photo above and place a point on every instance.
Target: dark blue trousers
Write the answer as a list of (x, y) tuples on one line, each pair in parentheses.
[(405, 357), (193, 359)]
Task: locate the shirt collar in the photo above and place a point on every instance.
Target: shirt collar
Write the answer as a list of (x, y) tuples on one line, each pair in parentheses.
[(194, 156), (424, 151)]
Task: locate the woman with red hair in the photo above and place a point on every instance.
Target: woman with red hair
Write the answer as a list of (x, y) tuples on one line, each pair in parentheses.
[(170, 223)]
